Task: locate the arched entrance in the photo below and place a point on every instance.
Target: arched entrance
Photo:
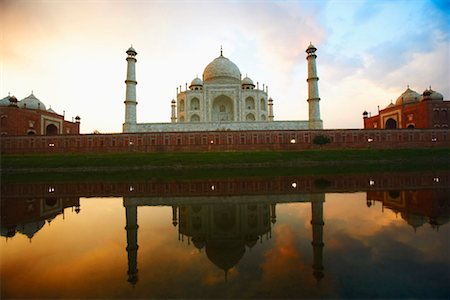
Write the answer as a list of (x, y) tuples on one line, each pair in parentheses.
[(390, 124), (410, 126), (222, 109), (51, 129), (250, 117), (195, 118)]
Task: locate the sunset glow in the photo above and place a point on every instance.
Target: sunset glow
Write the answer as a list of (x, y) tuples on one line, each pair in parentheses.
[(71, 54)]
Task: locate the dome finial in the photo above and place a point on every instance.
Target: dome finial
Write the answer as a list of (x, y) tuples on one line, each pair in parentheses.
[(221, 51)]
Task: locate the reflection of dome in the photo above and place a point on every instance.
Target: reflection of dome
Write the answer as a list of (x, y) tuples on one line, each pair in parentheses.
[(30, 229), (225, 254), (31, 102), (199, 243), (407, 97), (413, 219), (438, 221), (222, 69), (8, 232), (251, 241)]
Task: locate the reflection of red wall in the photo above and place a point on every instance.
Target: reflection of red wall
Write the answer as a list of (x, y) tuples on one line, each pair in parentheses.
[(430, 203), (19, 211), (277, 140), (421, 115), (234, 186), (19, 121)]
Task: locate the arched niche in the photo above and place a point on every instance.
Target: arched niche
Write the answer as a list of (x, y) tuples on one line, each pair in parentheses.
[(263, 104), (222, 109), (195, 104), (390, 124), (250, 117), (195, 118), (51, 129), (249, 103)]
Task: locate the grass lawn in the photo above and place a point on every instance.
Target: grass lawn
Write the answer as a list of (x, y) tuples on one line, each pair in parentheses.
[(120, 166)]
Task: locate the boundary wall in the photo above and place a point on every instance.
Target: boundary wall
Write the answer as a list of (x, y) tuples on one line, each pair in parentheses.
[(273, 140)]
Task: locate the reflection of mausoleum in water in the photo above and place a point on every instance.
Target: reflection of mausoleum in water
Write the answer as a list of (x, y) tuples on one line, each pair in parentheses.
[(224, 231), (225, 218), (224, 226)]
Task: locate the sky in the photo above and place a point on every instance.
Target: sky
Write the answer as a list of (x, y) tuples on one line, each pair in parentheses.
[(71, 54)]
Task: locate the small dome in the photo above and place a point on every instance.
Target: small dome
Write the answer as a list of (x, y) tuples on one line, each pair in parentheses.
[(223, 70), (51, 110), (408, 97), (197, 82), (311, 48), (13, 100), (5, 101), (131, 51), (436, 95), (390, 105), (31, 102), (429, 94), (247, 81)]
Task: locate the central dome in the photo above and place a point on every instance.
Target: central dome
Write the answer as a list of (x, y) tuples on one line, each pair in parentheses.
[(222, 70)]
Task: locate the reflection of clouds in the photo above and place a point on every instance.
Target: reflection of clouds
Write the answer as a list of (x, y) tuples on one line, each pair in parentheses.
[(404, 263)]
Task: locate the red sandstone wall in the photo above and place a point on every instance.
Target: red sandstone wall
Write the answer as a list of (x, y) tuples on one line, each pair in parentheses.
[(19, 121), (423, 115), (282, 140)]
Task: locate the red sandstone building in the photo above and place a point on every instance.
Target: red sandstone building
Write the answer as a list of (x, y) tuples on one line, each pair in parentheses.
[(412, 110), (29, 116)]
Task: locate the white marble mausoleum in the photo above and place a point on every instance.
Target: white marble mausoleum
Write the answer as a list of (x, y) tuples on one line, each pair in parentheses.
[(222, 100)]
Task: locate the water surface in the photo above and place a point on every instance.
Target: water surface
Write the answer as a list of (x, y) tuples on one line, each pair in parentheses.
[(228, 239)]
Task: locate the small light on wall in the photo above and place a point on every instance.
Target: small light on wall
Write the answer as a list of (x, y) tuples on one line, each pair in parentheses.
[(434, 139), (51, 145), (213, 188), (293, 141), (130, 143), (370, 140), (436, 179), (51, 189), (294, 185), (212, 142), (131, 188), (371, 182)]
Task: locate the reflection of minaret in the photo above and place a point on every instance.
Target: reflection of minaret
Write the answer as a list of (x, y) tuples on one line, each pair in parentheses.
[(174, 215), (317, 231), (132, 246)]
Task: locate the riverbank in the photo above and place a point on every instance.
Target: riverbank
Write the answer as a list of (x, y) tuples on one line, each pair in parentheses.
[(65, 167)]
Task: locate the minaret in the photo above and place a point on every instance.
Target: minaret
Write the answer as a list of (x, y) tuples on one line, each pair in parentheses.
[(317, 234), (174, 114), (313, 89), (270, 116), (130, 95), (132, 245)]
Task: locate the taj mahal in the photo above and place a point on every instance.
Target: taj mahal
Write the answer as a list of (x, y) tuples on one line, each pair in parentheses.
[(222, 100)]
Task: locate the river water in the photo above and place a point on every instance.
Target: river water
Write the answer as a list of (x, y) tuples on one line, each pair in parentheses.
[(356, 236)]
